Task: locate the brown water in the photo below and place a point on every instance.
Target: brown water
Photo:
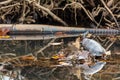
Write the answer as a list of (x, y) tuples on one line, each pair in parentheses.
[(111, 70)]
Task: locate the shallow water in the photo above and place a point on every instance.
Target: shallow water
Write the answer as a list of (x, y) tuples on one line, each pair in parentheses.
[(110, 71)]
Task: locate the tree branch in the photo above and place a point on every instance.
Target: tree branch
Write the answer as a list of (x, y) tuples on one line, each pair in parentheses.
[(49, 12), (5, 2), (110, 13)]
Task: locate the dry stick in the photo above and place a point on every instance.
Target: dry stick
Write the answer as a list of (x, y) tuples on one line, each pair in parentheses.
[(41, 50), (26, 46), (85, 10), (115, 6), (22, 18), (110, 13), (6, 2), (80, 6), (91, 2), (3, 16), (75, 15), (7, 60), (110, 44), (38, 2), (110, 2), (117, 78), (106, 43), (48, 72), (17, 4), (110, 72), (100, 21), (8, 54), (88, 13), (49, 12)]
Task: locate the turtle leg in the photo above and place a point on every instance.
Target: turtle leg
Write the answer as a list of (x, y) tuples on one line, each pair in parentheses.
[(85, 34), (88, 77), (93, 58)]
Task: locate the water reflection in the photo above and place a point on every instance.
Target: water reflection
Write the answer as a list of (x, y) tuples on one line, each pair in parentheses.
[(110, 70)]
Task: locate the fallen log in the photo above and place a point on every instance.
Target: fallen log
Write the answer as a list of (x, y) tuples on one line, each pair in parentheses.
[(41, 32)]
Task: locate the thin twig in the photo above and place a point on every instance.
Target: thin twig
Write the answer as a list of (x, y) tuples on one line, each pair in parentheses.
[(110, 2), (79, 5), (110, 13), (5, 2), (5, 7), (117, 78), (41, 50), (49, 12), (22, 18), (110, 44)]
